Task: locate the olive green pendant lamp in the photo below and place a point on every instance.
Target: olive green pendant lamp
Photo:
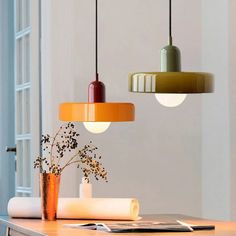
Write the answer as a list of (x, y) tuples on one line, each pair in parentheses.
[(171, 85)]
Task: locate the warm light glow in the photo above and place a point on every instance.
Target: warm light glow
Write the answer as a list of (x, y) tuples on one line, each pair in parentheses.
[(97, 127), (170, 99)]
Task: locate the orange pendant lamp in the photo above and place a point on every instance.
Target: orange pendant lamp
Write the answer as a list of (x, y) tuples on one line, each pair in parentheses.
[(97, 114)]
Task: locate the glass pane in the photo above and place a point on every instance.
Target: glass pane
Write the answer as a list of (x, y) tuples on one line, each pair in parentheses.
[(18, 5), (26, 164), (19, 112), (26, 111), (19, 167), (26, 13), (19, 61), (19, 194), (26, 59), (22, 14)]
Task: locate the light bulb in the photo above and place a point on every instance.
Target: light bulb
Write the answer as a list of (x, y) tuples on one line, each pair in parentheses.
[(170, 99), (97, 127)]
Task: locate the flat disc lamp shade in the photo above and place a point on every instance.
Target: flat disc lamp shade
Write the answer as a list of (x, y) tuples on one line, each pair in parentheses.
[(97, 112), (171, 82)]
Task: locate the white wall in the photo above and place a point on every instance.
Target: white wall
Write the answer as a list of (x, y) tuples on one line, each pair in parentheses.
[(157, 158), (232, 103), (219, 111), (215, 112)]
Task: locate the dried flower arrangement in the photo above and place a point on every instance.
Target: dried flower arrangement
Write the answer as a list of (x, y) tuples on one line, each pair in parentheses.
[(64, 142)]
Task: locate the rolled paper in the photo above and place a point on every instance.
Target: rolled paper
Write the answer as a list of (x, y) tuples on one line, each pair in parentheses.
[(77, 208)]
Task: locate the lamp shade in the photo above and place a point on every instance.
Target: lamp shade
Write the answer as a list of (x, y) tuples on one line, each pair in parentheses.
[(97, 112), (171, 82)]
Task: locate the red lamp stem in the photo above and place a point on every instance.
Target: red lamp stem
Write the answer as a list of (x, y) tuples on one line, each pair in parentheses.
[(96, 92)]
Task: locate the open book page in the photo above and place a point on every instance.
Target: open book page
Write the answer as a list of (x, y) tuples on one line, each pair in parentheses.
[(138, 226), (198, 227)]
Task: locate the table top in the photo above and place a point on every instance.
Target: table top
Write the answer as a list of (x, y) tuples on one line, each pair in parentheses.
[(36, 227)]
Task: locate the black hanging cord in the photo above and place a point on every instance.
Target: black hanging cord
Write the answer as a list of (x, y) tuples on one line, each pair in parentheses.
[(170, 22), (96, 39)]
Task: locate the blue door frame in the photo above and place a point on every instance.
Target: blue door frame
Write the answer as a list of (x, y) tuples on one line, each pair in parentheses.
[(7, 117)]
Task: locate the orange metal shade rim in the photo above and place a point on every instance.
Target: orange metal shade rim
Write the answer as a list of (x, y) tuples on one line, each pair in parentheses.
[(97, 112)]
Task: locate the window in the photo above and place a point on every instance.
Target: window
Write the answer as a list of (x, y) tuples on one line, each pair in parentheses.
[(27, 90)]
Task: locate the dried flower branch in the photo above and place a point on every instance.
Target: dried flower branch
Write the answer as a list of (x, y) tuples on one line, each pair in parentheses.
[(64, 142)]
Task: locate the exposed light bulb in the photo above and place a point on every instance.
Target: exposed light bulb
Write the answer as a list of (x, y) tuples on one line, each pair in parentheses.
[(170, 99), (97, 127)]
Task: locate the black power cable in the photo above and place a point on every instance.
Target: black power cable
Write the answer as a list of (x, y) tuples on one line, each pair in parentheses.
[(170, 22), (96, 39)]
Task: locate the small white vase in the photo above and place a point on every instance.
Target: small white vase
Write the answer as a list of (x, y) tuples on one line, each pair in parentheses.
[(85, 189)]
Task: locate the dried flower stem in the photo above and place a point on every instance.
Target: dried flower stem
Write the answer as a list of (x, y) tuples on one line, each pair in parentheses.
[(51, 150), (68, 162), (65, 141)]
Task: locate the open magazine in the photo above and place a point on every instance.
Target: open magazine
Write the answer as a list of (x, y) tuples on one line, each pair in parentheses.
[(142, 226)]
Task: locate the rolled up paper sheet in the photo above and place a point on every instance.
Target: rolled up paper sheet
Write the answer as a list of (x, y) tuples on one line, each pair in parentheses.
[(76, 208)]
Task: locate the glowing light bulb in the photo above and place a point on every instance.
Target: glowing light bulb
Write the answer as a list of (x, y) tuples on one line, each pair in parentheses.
[(97, 127), (170, 99)]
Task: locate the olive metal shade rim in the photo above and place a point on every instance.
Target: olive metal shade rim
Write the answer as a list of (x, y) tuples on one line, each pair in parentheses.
[(171, 82), (97, 112)]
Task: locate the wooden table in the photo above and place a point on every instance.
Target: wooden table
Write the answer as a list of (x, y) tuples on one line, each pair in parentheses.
[(33, 227)]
